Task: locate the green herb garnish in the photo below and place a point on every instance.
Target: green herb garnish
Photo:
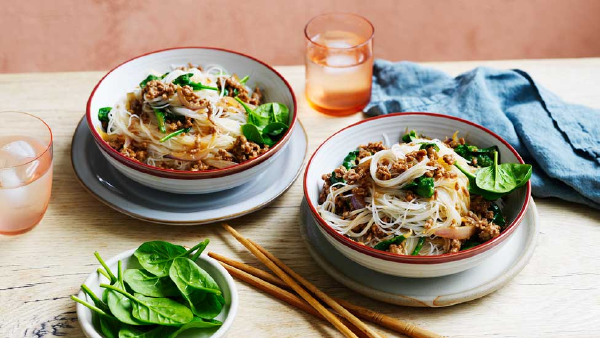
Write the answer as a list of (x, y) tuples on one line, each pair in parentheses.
[(160, 118), (175, 133), (411, 136), (419, 246), (422, 186), (350, 159), (333, 179), (185, 80), (103, 114), (385, 245), (427, 145)]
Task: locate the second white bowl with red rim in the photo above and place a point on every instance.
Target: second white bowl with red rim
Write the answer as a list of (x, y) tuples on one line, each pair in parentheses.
[(125, 77), (389, 129)]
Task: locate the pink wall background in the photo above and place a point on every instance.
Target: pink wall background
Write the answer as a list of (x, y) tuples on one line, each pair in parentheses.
[(63, 35)]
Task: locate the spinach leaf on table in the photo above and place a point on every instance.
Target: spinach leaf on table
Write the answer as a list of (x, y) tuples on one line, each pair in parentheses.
[(162, 311), (141, 281)]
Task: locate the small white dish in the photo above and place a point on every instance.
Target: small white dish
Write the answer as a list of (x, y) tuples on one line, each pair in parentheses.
[(217, 272), (131, 198), (389, 129), (489, 276), (126, 76)]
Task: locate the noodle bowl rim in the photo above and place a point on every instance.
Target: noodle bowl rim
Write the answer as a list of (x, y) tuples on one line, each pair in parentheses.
[(188, 174), (409, 259)]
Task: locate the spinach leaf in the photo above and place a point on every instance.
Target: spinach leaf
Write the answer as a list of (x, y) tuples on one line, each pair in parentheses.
[(483, 157), (147, 284), (422, 186), (148, 79), (334, 180), (385, 245), (498, 217), (502, 178), (497, 181), (209, 307), (103, 114), (109, 325), (185, 80), (418, 246), (276, 112), (252, 133), (119, 305), (175, 133), (201, 246), (156, 256), (266, 124), (197, 323), (197, 287), (425, 145), (275, 129), (153, 332), (469, 243), (162, 311), (350, 159), (411, 136), (160, 118), (186, 275)]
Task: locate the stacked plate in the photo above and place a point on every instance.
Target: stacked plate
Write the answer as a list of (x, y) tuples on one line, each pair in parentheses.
[(416, 280), (183, 197)]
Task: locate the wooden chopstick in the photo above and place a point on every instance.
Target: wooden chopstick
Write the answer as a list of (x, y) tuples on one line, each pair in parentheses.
[(288, 280), (320, 294), (364, 313), (251, 270), (282, 294)]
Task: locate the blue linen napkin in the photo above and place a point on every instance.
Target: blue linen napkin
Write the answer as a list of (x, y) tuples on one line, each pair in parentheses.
[(561, 140)]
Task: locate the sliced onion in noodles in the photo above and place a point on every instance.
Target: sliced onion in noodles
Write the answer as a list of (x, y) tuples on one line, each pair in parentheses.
[(456, 232), (219, 164)]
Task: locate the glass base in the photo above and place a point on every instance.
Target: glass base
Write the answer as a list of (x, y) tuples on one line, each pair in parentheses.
[(336, 112)]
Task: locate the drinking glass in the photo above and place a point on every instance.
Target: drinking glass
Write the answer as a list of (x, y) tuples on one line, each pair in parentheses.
[(339, 63), (25, 171)]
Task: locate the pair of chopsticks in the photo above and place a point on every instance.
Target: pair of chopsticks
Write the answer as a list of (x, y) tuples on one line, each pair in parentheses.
[(345, 319)]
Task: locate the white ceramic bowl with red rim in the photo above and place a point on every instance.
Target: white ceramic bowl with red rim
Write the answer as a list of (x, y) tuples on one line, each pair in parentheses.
[(125, 77), (389, 129)]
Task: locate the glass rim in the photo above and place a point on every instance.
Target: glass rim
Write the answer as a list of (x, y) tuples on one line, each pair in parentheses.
[(47, 147), (343, 14)]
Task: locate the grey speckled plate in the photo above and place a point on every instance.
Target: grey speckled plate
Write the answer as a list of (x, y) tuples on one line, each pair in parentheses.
[(462, 287), (138, 201)]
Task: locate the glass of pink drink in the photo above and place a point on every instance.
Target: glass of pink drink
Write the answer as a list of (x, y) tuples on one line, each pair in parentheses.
[(25, 171), (339, 63)]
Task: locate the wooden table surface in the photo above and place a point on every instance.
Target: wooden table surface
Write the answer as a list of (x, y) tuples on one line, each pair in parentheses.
[(556, 295)]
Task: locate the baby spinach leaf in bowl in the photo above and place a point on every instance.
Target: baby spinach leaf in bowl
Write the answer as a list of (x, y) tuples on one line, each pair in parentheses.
[(141, 281)]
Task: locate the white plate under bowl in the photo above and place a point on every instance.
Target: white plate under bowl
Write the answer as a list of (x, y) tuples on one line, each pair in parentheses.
[(217, 272), (112, 188), (485, 278)]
